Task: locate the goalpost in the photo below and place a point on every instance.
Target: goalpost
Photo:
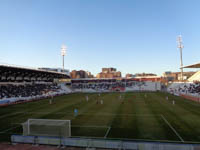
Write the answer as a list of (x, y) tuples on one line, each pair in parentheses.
[(47, 127)]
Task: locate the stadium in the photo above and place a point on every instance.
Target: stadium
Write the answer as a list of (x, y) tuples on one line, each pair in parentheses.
[(99, 75), (48, 108)]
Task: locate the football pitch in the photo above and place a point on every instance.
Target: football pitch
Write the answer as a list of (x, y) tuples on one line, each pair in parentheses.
[(137, 116)]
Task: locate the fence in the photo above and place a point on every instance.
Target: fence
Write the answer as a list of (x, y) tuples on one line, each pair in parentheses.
[(103, 143)]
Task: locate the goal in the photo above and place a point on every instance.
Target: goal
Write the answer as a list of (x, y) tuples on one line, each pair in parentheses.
[(47, 127)]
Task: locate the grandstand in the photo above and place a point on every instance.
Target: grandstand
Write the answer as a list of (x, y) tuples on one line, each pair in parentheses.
[(112, 85), (20, 84), (189, 89)]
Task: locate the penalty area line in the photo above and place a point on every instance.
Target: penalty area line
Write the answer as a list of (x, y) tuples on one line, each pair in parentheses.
[(107, 132), (12, 114), (4, 131), (172, 128)]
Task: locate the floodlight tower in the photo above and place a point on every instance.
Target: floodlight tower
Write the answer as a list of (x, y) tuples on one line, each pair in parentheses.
[(180, 46), (63, 53)]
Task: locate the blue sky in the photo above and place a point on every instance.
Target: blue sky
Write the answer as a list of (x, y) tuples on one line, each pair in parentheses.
[(131, 35)]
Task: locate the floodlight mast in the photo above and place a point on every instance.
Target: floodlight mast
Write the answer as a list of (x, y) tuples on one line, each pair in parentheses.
[(180, 46), (63, 53)]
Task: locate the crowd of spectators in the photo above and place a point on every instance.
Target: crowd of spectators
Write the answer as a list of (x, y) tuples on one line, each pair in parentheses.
[(106, 85), (26, 90), (191, 88)]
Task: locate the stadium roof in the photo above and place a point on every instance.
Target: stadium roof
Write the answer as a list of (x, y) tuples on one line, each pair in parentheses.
[(29, 68), (197, 65), (16, 73)]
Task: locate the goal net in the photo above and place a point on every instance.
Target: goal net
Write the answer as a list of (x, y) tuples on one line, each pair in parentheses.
[(47, 127)]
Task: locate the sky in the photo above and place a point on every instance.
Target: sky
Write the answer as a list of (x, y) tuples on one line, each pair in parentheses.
[(133, 36)]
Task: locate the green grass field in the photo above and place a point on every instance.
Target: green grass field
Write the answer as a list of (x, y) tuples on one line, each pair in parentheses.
[(152, 118)]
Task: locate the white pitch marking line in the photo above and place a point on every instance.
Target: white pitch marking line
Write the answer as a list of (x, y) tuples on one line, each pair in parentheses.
[(107, 132), (7, 115), (4, 131), (172, 128), (90, 126)]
